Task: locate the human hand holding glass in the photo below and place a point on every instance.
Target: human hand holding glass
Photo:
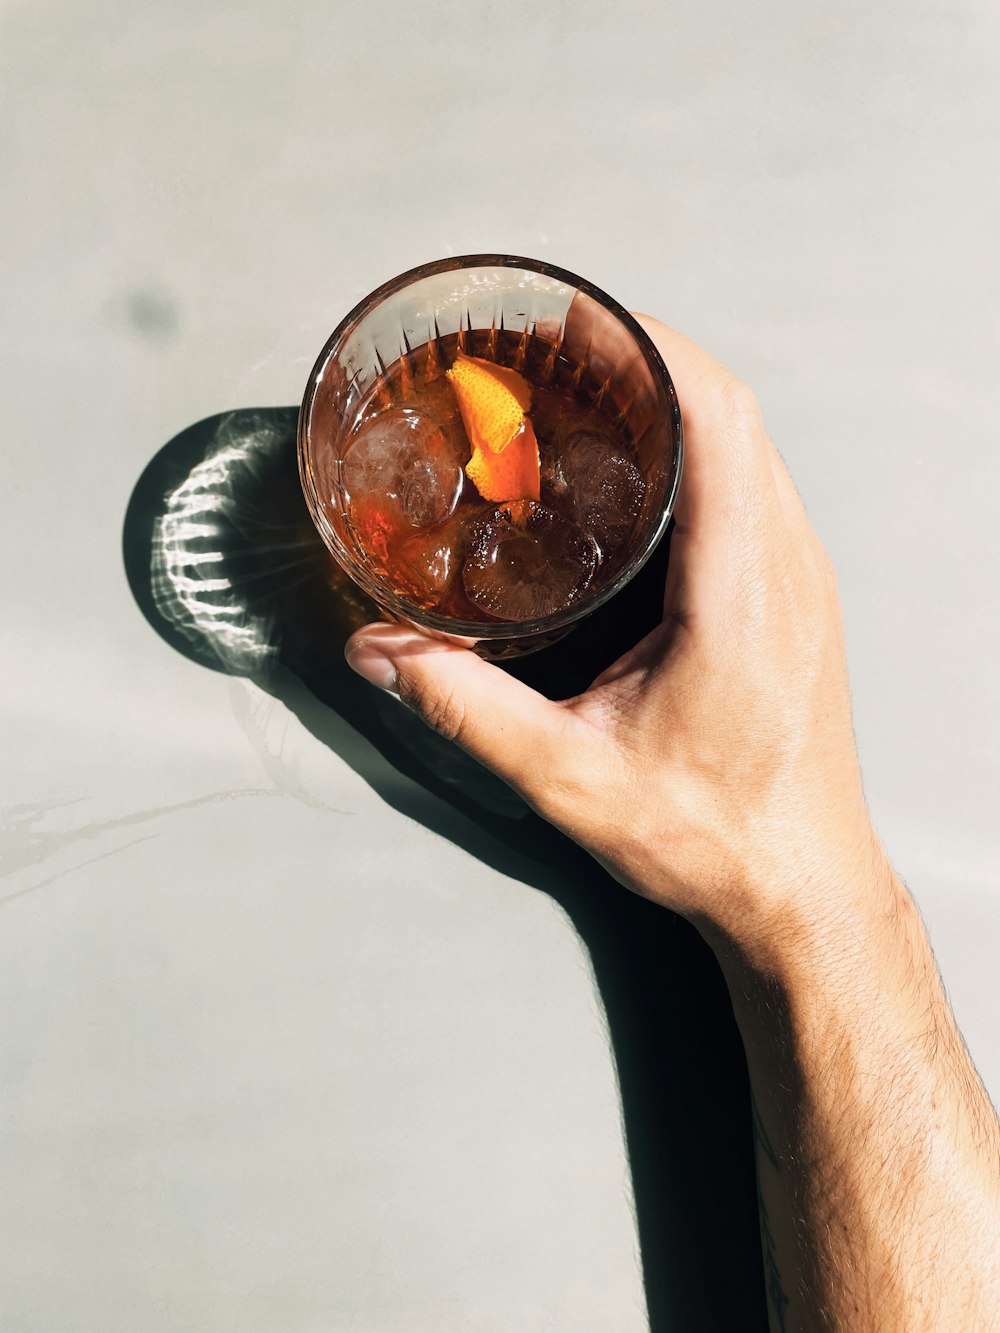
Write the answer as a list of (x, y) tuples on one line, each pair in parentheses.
[(713, 769), (683, 754)]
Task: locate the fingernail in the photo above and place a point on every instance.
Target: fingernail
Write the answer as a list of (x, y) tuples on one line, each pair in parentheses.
[(374, 666)]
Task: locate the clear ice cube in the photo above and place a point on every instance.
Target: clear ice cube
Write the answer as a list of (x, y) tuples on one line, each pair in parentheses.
[(590, 475), (404, 458), (425, 564), (523, 561)]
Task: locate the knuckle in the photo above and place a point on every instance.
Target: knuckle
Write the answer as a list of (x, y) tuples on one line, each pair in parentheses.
[(443, 711), (828, 570), (824, 567), (739, 403)]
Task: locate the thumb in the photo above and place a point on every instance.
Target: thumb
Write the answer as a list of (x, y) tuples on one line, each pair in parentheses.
[(501, 722)]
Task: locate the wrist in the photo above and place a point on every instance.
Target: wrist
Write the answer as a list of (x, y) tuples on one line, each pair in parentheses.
[(828, 906), (848, 968)]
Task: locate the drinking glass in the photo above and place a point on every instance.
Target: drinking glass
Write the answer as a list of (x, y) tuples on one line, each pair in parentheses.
[(565, 330)]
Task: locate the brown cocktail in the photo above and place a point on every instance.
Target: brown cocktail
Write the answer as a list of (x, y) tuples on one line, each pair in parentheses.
[(493, 480)]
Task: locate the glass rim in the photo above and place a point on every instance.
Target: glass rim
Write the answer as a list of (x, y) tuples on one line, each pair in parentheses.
[(390, 601)]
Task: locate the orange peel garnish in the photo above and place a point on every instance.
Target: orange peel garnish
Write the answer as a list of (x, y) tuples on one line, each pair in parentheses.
[(512, 475), (493, 401)]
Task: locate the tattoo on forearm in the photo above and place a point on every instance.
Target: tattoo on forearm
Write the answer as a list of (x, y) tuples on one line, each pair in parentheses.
[(776, 1297)]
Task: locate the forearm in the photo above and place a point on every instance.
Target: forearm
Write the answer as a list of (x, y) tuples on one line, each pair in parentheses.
[(878, 1152)]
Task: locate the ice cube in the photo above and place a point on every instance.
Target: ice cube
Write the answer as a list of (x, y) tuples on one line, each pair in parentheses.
[(403, 460), (524, 561), (590, 476), (424, 565)]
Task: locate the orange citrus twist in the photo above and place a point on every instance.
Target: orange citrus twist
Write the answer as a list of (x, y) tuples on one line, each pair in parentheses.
[(493, 401)]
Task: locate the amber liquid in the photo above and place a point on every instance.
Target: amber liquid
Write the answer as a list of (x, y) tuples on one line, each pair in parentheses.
[(429, 565)]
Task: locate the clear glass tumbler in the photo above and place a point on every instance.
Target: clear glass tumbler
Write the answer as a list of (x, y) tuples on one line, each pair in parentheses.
[(492, 302)]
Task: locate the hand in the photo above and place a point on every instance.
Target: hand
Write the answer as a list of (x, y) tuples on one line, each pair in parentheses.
[(713, 767)]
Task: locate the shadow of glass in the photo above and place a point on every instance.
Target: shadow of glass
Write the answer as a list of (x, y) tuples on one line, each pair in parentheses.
[(224, 563)]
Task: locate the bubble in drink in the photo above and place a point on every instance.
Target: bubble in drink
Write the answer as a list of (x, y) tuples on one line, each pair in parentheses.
[(524, 562), (590, 474), (403, 458)]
